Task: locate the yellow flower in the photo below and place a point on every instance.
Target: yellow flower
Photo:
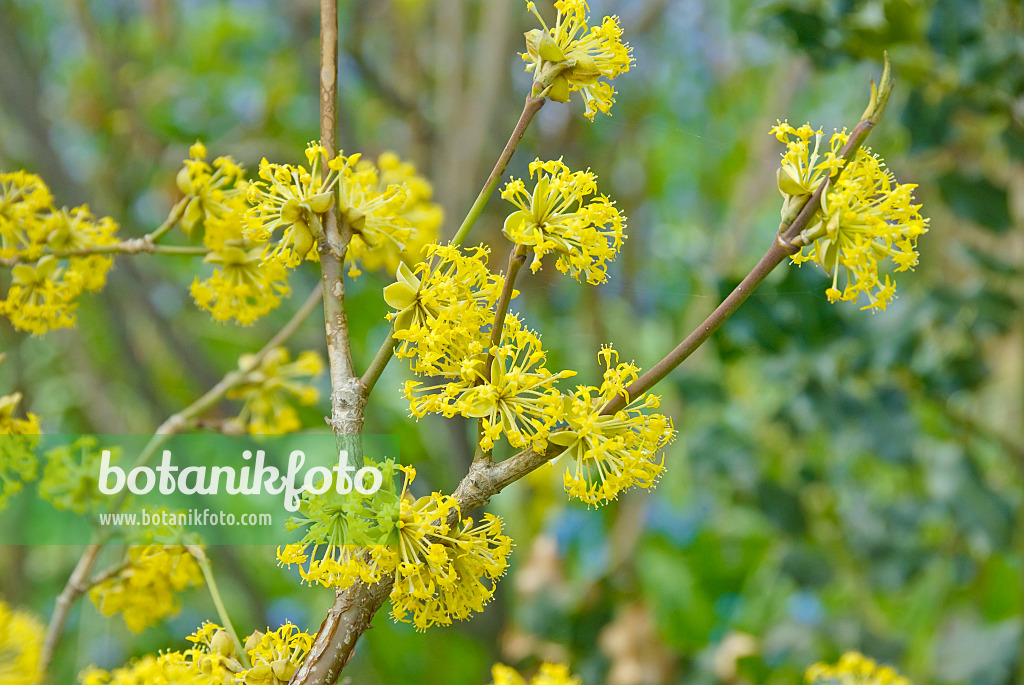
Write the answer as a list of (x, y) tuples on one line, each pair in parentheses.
[(292, 199), (210, 661), (268, 388), (210, 190), (611, 452), (549, 674), (21, 640), (556, 217), (346, 536), (44, 287), (574, 57), (803, 168), (372, 210), (443, 307), (276, 655), (24, 198), (41, 297), (444, 573), (18, 438), (69, 480), (516, 398), (866, 217), (415, 209), (854, 669), (244, 286), (144, 590)]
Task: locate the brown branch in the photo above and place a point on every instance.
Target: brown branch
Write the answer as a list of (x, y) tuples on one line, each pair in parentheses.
[(530, 109), (782, 247), (347, 399), (75, 588)]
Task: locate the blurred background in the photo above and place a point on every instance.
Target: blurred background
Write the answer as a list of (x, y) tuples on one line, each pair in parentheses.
[(841, 480)]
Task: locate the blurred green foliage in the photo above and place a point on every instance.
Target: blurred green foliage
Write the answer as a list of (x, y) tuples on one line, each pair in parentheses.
[(841, 480)]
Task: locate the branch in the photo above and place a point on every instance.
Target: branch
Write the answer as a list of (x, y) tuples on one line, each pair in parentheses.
[(146, 244), (788, 242), (75, 588), (347, 399), (379, 363), (530, 109)]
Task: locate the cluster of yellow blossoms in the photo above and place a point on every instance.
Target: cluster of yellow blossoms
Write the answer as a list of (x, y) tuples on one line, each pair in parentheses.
[(444, 568), (273, 658), (18, 437), (45, 243), (555, 217), (570, 56), (866, 215), (854, 668), (513, 395), (267, 388), (612, 452), (21, 641), (445, 311), (69, 480), (249, 278), (143, 590), (388, 210), (442, 307), (548, 674)]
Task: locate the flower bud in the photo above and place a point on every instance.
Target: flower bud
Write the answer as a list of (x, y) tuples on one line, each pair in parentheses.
[(253, 641), (540, 44), (283, 670), (222, 644), (259, 675), (302, 238), (559, 91), (585, 72)]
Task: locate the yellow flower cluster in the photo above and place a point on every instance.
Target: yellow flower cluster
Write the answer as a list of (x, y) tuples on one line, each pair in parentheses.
[(574, 57), (267, 389), (211, 191), (336, 564), (386, 246), (21, 641), (549, 674), (18, 438), (275, 655), (612, 452), (212, 660), (292, 199), (143, 591), (387, 207), (443, 307), (49, 276), (866, 217), (514, 395), (854, 668), (247, 282), (346, 536), (444, 571), (557, 217), (803, 168), (69, 479)]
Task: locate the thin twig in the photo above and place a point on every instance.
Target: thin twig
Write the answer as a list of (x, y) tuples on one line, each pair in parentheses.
[(379, 363), (75, 588), (199, 555), (147, 244), (782, 247), (530, 109)]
